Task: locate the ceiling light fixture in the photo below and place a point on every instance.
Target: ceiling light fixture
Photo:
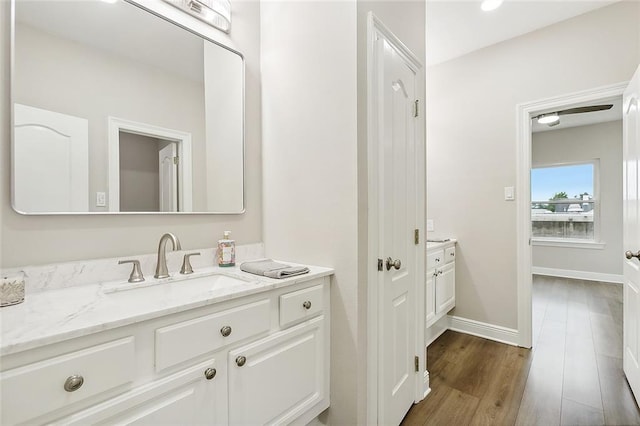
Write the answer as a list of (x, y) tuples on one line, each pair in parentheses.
[(548, 118), (216, 13), (489, 5)]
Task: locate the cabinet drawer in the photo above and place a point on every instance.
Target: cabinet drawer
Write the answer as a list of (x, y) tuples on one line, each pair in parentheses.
[(35, 389), (434, 259), (449, 254), (301, 304), (180, 342)]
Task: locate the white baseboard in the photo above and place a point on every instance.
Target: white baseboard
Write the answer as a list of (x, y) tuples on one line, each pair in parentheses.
[(484, 330), (426, 384), (579, 275), (436, 329)]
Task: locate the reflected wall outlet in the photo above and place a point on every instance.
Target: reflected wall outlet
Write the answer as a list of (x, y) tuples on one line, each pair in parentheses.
[(101, 199), (429, 225)]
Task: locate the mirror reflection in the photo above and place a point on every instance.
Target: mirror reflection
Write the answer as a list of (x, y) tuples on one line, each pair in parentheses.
[(118, 110)]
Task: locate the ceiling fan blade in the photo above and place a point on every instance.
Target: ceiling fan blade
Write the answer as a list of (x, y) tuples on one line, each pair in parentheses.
[(580, 110)]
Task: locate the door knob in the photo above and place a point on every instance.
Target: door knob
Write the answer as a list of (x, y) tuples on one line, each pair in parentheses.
[(629, 254), (393, 263)]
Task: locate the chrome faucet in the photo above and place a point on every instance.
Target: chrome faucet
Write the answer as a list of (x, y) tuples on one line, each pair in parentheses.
[(161, 267)]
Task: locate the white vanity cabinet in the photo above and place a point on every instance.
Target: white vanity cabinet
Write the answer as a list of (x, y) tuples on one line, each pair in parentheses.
[(257, 359), (440, 291)]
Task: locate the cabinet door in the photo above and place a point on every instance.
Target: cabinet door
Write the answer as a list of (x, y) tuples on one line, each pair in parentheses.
[(430, 296), (278, 378), (184, 398), (446, 289)]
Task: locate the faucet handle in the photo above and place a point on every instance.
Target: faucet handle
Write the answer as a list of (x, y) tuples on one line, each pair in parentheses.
[(186, 264), (136, 274)]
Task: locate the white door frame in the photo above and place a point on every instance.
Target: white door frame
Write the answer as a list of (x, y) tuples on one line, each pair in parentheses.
[(182, 139), (524, 112), (375, 28)]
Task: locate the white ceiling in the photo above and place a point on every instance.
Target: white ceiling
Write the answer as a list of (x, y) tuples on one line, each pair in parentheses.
[(121, 29), (458, 27)]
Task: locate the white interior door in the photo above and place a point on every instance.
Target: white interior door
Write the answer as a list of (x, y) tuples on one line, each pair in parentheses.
[(631, 229), (50, 161), (168, 168), (397, 220)]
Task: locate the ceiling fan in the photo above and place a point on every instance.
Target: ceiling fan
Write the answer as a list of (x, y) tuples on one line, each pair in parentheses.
[(553, 118)]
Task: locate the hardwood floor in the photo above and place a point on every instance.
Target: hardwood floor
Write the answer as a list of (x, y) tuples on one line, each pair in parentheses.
[(571, 376)]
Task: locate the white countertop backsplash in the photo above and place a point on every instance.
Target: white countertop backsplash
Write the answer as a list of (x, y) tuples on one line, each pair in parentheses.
[(71, 274), (56, 315)]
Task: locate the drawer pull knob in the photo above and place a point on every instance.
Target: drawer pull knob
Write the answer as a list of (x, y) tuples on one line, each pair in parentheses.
[(307, 304), (73, 383), (241, 360), (225, 331), (210, 373)]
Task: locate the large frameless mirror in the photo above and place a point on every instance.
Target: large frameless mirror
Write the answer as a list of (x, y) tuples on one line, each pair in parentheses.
[(118, 110)]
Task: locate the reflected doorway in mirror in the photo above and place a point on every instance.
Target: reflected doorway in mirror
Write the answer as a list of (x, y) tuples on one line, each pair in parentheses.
[(172, 186)]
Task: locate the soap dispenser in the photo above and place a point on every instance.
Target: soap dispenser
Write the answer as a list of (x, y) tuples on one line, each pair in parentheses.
[(226, 251)]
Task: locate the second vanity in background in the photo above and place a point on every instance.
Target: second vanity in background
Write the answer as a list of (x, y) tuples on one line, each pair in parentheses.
[(440, 282)]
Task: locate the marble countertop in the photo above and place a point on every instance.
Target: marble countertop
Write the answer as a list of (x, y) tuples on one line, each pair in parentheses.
[(52, 316), (434, 245)]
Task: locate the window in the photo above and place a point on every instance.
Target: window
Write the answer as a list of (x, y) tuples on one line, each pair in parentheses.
[(564, 203)]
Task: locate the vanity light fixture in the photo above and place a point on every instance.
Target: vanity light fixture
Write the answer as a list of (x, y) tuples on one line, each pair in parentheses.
[(216, 13), (489, 5), (548, 118)]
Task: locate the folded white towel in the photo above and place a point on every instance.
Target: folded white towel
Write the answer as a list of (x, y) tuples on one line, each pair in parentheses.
[(271, 269)]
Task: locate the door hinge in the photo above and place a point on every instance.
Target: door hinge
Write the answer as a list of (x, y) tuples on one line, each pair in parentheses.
[(417, 363), (416, 236), (379, 264), (415, 108), (176, 160)]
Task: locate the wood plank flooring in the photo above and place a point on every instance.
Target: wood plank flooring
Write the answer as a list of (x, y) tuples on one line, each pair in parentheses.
[(571, 376)]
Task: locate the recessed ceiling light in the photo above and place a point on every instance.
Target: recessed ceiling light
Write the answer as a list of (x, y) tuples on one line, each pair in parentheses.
[(488, 5)]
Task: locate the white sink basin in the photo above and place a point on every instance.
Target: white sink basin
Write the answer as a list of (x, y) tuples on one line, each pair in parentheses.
[(183, 285)]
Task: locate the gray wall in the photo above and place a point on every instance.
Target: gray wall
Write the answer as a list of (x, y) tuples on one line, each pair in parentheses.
[(598, 141), (310, 193), (38, 240), (471, 133), (139, 173)]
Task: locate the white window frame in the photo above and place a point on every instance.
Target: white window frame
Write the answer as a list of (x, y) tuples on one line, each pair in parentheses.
[(594, 243)]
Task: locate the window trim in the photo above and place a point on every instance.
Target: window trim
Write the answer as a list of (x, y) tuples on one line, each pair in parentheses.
[(568, 243), (596, 242)]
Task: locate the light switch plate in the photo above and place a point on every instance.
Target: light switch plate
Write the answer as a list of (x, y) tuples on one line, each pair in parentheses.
[(509, 193), (101, 199), (429, 225)]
